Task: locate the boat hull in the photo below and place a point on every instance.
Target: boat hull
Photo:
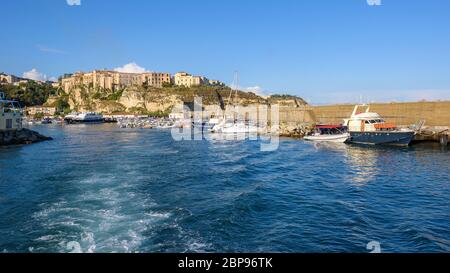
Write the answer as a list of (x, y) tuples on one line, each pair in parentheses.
[(382, 138), (75, 121), (341, 138)]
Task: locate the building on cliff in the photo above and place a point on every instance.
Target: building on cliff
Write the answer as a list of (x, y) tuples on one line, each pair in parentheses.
[(114, 80), (44, 110), (187, 80), (11, 79), (8, 79)]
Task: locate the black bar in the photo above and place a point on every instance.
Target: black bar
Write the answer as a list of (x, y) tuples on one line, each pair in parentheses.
[(221, 262)]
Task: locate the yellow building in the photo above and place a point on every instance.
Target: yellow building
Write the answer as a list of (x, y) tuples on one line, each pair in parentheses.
[(113, 80), (46, 111), (215, 83), (187, 80), (156, 79)]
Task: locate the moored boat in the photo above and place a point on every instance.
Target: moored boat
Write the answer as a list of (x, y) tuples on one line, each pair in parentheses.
[(46, 121), (370, 128), (235, 127), (329, 133), (88, 117), (11, 114)]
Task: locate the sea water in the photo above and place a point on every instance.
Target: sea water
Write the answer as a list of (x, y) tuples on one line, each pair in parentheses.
[(98, 188)]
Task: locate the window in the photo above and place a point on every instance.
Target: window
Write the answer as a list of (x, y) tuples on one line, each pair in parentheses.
[(9, 123)]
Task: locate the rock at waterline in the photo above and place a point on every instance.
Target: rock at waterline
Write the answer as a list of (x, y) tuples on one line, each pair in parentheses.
[(23, 136)]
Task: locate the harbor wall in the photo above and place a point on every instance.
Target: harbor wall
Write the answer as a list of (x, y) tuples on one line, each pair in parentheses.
[(434, 113), (296, 115), (287, 114)]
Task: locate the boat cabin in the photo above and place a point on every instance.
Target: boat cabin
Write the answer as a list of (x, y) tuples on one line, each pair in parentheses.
[(367, 121), (10, 114)]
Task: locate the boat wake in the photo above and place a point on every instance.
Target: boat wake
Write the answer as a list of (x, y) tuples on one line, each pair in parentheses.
[(99, 220)]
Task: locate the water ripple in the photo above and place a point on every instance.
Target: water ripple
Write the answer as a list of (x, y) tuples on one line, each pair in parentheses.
[(113, 190)]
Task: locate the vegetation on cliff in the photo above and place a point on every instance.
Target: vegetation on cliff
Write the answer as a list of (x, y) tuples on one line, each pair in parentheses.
[(157, 101), (286, 100), (29, 94), (135, 99)]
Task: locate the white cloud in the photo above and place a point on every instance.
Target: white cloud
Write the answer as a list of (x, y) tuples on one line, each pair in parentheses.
[(257, 90), (254, 89), (53, 79), (50, 50), (35, 75), (73, 2), (131, 68)]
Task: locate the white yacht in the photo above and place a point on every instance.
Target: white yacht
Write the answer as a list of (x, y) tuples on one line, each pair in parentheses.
[(370, 128), (234, 127), (231, 123), (87, 117)]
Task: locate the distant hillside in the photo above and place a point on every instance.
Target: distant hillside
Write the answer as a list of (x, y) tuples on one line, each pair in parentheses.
[(286, 100), (135, 99), (30, 93)]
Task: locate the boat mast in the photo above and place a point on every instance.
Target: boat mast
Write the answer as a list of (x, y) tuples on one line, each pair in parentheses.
[(234, 90)]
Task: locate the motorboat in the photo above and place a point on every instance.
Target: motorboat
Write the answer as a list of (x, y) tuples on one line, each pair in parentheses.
[(329, 133), (370, 128), (46, 121), (87, 117)]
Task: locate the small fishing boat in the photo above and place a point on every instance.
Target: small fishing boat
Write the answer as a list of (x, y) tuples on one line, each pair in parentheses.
[(46, 121), (329, 133)]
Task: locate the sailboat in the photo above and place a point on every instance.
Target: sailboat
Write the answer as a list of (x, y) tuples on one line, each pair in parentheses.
[(231, 124)]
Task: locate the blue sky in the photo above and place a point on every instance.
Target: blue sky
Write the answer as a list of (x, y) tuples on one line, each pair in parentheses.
[(325, 51)]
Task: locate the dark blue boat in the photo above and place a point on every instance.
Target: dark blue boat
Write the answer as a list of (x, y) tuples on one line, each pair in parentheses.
[(369, 128), (386, 138)]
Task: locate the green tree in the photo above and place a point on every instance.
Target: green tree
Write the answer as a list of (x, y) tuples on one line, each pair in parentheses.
[(29, 94)]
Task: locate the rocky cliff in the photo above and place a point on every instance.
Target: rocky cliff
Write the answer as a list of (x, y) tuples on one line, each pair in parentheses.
[(143, 99)]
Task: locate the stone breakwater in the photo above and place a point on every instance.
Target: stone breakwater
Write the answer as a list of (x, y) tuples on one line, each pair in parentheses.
[(295, 130), (23, 136)]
